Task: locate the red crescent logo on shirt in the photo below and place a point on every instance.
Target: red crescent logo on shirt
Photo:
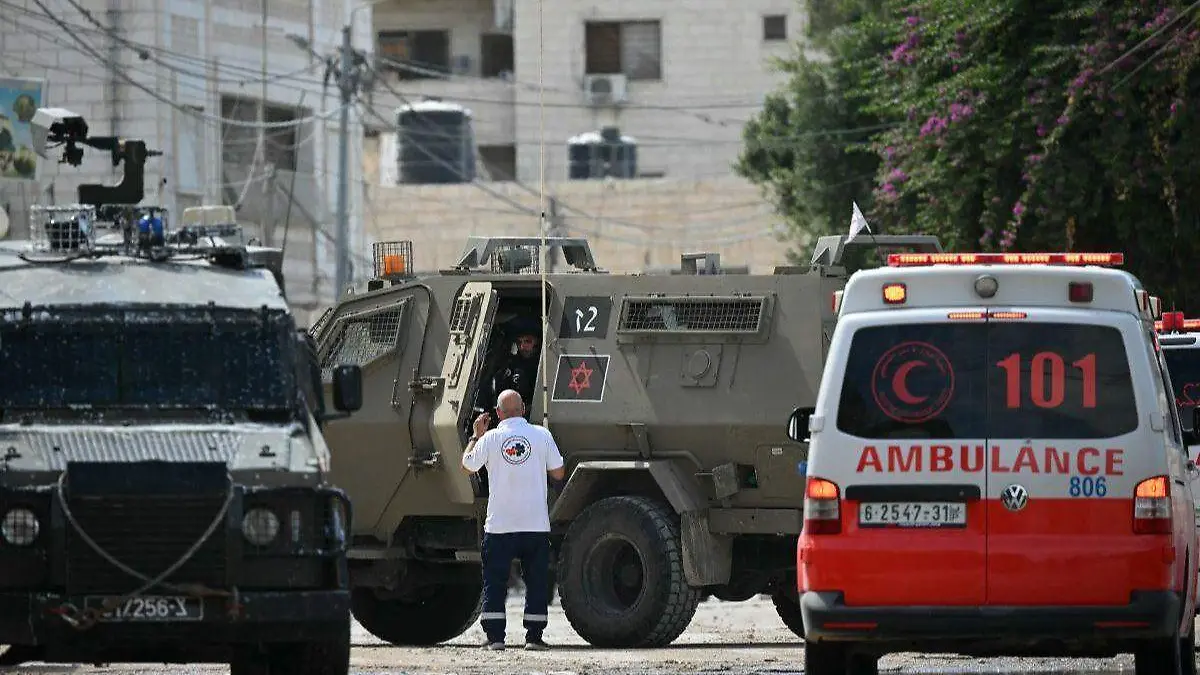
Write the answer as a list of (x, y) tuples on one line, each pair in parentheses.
[(516, 450)]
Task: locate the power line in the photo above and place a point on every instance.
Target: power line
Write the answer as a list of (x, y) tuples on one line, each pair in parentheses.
[(100, 59)]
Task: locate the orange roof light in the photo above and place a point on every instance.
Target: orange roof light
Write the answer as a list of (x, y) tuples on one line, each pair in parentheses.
[(394, 264), (924, 259)]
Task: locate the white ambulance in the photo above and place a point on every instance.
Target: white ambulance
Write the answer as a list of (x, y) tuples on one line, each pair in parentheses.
[(1181, 349), (996, 467)]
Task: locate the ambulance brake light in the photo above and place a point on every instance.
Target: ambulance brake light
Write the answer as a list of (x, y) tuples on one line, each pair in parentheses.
[(1152, 506), (822, 510), (894, 294), (1080, 291), (923, 259)]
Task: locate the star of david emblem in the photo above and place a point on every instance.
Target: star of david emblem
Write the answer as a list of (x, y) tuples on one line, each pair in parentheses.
[(581, 378)]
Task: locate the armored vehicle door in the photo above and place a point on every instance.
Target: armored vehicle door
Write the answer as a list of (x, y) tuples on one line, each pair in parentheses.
[(470, 326)]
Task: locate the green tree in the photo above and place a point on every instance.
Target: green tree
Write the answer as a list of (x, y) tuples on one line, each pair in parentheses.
[(805, 147), (1052, 126)]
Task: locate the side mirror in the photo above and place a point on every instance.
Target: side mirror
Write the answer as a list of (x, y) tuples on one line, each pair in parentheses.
[(797, 428), (347, 388)]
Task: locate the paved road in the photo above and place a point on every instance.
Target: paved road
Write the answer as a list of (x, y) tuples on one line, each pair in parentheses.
[(725, 638)]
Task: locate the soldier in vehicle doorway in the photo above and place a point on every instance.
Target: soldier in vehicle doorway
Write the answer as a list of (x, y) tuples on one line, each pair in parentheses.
[(518, 370)]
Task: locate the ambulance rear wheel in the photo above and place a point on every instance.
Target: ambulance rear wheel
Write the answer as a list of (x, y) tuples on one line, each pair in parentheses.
[(621, 581), (428, 616), (1168, 656), (786, 599), (826, 658)]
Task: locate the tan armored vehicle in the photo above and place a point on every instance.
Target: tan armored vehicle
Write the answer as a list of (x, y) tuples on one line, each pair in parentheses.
[(664, 393)]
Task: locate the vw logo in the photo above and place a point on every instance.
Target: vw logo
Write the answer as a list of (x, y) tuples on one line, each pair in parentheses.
[(1014, 497)]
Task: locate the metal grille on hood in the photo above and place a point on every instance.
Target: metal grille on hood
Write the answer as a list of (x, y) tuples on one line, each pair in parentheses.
[(90, 445)]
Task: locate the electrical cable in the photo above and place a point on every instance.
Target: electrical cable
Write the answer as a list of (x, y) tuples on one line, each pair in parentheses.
[(90, 50)]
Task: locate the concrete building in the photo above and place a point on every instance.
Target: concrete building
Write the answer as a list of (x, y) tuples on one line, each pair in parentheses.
[(678, 76), (188, 76)]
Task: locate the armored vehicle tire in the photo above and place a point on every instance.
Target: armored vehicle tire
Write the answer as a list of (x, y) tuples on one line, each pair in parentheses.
[(787, 605), (621, 580), (323, 657), (435, 613)]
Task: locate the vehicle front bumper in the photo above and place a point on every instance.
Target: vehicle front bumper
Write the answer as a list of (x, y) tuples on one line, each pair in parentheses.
[(1010, 630), (252, 617)]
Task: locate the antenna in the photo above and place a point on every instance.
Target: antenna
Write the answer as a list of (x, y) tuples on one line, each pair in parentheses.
[(542, 252)]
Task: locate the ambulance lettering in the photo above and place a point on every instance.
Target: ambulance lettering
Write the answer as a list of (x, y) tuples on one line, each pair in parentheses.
[(1091, 465)]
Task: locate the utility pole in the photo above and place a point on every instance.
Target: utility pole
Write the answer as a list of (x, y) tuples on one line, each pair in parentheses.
[(348, 84)]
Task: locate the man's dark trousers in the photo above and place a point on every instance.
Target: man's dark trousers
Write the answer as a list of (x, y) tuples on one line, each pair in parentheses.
[(499, 550)]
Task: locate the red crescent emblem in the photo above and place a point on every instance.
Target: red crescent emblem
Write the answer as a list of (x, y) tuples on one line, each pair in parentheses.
[(900, 383), (911, 365)]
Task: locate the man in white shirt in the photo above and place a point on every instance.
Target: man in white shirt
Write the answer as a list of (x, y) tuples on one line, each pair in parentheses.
[(518, 456)]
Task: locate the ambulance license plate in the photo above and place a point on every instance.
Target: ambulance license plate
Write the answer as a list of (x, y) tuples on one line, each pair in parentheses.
[(150, 608), (912, 514)]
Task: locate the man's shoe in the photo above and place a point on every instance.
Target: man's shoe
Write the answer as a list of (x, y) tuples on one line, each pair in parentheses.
[(494, 646), (537, 645)]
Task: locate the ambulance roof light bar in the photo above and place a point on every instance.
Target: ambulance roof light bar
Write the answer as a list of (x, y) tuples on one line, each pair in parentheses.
[(924, 259), (1173, 322)]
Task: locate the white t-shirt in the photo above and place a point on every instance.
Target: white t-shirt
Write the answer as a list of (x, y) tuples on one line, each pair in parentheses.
[(517, 455)]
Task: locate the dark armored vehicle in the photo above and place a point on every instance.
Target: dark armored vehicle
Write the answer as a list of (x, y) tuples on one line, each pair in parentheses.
[(164, 485), (664, 393)]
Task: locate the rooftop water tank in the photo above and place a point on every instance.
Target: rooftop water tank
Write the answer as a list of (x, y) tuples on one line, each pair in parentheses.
[(436, 143), (602, 154)]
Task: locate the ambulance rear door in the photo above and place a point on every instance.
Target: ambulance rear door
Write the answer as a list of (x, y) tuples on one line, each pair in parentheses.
[(1066, 452), (907, 447)]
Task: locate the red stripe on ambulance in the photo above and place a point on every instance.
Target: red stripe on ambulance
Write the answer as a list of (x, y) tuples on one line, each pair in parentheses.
[(970, 459)]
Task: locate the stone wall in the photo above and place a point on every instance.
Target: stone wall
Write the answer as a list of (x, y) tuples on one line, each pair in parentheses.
[(632, 225)]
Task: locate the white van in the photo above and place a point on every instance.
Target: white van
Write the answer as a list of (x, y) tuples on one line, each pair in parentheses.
[(996, 467), (1181, 349)]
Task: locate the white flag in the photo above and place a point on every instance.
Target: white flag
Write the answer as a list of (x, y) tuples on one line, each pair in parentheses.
[(858, 223)]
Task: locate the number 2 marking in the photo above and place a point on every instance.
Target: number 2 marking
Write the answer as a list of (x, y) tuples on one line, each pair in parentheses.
[(590, 326), (1011, 365)]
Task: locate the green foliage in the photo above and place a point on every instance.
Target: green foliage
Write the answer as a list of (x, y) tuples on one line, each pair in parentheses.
[(1056, 126)]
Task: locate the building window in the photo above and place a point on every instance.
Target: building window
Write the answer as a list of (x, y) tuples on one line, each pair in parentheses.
[(500, 161), (775, 28), (415, 54), (496, 54), (239, 142), (632, 48)]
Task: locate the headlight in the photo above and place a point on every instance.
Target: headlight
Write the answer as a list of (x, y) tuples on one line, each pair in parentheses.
[(20, 527), (260, 526)]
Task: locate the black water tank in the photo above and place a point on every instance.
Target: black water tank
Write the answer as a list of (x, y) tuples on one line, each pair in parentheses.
[(602, 154), (435, 143)]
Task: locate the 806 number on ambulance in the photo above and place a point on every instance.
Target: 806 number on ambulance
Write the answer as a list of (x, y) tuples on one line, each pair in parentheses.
[(996, 467)]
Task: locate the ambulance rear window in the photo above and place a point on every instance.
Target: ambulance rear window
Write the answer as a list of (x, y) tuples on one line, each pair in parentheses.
[(995, 380), (1183, 367)]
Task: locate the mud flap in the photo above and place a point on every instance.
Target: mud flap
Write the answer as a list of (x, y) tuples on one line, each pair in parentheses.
[(707, 557)]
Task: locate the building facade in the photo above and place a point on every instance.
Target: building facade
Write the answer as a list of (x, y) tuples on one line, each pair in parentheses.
[(188, 77), (679, 77)]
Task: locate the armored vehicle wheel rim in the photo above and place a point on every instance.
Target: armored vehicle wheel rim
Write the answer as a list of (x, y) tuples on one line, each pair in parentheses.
[(616, 577)]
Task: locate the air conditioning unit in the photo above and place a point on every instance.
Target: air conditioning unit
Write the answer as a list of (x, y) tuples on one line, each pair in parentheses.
[(604, 90)]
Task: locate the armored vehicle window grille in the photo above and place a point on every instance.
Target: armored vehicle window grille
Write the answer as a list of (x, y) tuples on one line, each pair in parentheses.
[(692, 315), (320, 323), (460, 317), (362, 338)]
